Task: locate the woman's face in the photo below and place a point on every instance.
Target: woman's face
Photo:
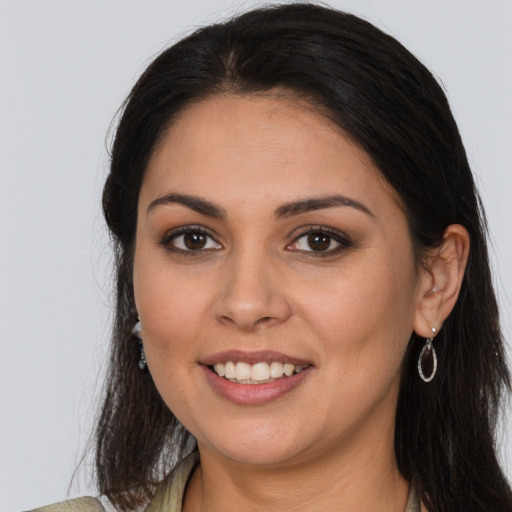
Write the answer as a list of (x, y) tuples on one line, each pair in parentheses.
[(267, 242)]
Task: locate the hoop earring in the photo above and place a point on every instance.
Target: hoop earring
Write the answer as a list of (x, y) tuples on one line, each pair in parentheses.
[(427, 362), (136, 331)]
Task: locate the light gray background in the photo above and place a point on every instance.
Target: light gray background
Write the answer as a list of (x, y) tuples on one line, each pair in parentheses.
[(65, 67)]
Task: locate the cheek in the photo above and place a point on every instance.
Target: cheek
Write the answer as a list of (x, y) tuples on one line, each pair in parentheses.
[(364, 314), (171, 322), (170, 309)]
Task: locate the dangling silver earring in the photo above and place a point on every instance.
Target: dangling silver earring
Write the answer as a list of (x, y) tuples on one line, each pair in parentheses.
[(136, 331), (427, 362)]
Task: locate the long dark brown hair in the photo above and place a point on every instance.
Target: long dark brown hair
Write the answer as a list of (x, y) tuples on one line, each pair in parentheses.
[(390, 105)]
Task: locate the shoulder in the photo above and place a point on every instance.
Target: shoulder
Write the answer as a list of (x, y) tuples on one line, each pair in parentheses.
[(85, 504), (169, 495)]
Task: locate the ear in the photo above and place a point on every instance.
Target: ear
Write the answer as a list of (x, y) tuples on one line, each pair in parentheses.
[(441, 280)]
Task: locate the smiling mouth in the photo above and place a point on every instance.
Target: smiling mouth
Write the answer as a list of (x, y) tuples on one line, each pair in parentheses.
[(259, 373)]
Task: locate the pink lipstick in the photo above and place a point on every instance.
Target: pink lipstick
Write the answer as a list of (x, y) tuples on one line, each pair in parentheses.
[(253, 378)]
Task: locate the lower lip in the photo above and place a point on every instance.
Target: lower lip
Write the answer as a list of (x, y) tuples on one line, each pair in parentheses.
[(254, 394)]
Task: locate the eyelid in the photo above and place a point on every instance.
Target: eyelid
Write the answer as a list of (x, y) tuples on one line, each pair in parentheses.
[(338, 236), (169, 236), (341, 238)]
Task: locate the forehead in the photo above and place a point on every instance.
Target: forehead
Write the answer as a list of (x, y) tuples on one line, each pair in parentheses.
[(259, 148)]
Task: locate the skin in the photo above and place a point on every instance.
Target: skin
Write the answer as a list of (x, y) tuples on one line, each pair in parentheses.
[(258, 285)]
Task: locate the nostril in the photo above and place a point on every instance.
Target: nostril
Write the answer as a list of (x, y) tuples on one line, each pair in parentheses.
[(266, 321), (251, 310), (253, 324)]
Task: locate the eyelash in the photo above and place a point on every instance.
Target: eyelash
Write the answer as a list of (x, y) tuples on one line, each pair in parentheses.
[(169, 238), (340, 238), (337, 236)]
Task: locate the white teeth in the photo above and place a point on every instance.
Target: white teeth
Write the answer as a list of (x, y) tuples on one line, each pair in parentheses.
[(242, 371), (256, 373), (229, 370), (260, 371), (276, 370), (288, 369)]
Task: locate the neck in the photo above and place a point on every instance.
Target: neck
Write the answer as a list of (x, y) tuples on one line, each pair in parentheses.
[(363, 478)]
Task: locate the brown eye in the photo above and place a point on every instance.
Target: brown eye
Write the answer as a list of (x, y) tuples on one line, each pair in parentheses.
[(319, 242), (194, 241), (190, 240)]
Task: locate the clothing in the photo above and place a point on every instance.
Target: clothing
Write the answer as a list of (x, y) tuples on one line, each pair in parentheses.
[(169, 495), (86, 504)]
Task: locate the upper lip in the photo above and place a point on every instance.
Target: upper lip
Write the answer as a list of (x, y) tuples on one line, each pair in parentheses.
[(257, 356)]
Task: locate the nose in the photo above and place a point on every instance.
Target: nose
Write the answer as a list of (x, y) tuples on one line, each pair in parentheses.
[(252, 294)]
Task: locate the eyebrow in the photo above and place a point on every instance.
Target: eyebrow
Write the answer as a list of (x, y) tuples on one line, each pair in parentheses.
[(312, 204), (197, 204), (210, 209)]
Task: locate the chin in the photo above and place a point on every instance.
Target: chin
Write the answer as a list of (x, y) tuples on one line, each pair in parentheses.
[(256, 445), (257, 454)]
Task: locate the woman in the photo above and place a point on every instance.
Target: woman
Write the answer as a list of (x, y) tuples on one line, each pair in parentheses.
[(305, 315)]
